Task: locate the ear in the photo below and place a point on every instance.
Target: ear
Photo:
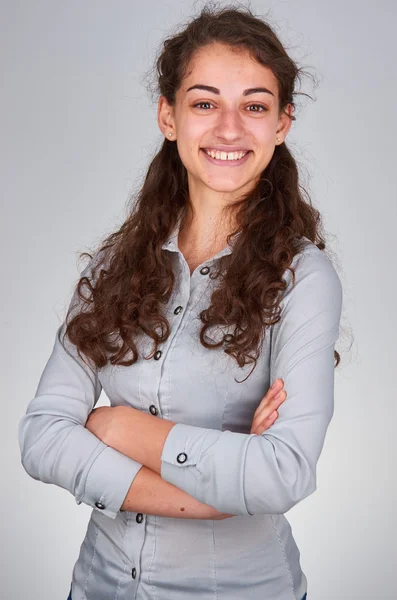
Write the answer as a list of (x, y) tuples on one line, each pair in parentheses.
[(284, 124), (166, 119)]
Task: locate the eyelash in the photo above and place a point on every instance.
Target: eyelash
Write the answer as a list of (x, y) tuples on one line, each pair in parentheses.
[(260, 106)]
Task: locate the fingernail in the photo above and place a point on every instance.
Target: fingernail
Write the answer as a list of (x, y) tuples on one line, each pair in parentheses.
[(274, 383)]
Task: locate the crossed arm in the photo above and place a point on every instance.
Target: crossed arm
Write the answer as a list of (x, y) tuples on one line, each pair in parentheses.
[(141, 436)]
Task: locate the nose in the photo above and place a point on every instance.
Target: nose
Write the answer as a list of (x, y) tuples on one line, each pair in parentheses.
[(229, 126)]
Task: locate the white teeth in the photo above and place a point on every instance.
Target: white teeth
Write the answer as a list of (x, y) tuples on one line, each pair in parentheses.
[(220, 155)]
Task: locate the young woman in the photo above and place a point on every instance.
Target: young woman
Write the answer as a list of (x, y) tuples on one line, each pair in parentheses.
[(215, 287)]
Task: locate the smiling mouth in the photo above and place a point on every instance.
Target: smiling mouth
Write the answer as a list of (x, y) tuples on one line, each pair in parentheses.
[(226, 158)]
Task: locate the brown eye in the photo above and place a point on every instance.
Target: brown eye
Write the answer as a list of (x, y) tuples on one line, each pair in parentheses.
[(200, 103), (258, 106)]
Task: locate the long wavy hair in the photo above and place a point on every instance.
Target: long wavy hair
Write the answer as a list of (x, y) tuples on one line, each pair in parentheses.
[(131, 277)]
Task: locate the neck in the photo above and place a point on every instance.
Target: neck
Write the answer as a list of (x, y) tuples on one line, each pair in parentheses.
[(202, 232)]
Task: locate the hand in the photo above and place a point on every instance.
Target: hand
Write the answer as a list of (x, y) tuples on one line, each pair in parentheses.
[(100, 422), (266, 413)]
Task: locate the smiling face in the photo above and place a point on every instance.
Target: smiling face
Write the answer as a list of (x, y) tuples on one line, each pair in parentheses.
[(228, 102)]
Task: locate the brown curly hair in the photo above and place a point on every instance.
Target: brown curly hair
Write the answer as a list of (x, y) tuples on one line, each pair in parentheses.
[(131, 276)]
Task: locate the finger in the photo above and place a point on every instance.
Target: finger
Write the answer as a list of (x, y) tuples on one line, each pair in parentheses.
[(269, 402), (271, 393), (273, 404), (266, 424), (267, 407)]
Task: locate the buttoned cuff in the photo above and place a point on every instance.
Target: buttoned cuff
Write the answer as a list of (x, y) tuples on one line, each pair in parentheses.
[(108, 480), (202, 462)]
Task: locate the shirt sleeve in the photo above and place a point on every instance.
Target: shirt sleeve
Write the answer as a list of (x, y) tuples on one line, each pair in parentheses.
[(55, 445), (248, 474)]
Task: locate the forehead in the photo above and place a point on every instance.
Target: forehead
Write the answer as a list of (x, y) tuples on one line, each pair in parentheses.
[(227, 68)]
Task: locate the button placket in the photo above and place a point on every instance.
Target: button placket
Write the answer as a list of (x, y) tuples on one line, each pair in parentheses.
[(157, 355)]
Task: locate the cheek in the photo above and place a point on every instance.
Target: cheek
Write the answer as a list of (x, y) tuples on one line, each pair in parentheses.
[(265, 139), (186, 150), (192, 128), (189, 138), (264, 134)]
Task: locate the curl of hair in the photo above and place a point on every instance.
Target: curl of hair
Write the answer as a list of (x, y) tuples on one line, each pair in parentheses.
[(131, 277)]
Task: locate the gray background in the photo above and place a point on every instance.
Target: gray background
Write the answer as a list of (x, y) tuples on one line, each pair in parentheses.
[(77, 131)]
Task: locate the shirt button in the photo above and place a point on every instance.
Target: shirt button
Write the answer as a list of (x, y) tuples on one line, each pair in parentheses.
[(133, 573), (178, 310), (182, 457), (153, 409), (99, 505), (228, 337), (204, 270), (139, 518), (157, 355)]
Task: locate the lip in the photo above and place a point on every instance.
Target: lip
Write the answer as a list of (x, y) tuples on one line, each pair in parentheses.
[(227, 148), (226, 163)]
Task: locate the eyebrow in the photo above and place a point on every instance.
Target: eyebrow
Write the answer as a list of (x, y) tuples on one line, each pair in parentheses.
[(214, 90)]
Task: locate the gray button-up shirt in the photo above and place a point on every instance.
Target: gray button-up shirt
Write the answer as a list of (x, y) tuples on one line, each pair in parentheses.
[(209, 453)]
